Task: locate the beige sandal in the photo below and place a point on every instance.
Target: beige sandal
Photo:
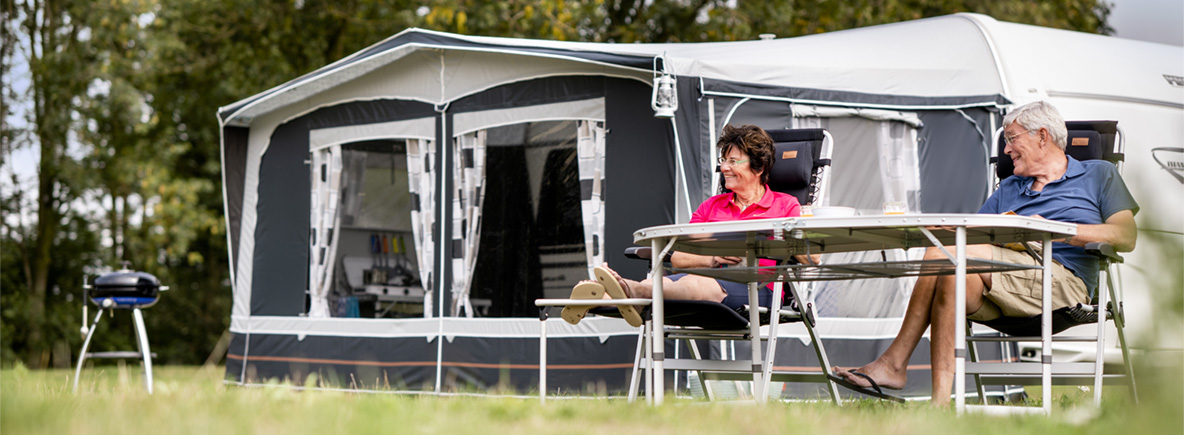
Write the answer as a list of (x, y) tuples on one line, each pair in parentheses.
[(615, 286), (573, 314)]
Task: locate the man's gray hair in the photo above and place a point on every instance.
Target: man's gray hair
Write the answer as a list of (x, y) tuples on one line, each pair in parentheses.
[(1037, 115)]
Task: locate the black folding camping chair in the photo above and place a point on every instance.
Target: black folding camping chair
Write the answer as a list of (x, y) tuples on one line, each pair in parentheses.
[(801, 169), (1088, 140)]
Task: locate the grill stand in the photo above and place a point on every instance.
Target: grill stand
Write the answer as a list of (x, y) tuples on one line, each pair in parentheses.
[(141, 343)]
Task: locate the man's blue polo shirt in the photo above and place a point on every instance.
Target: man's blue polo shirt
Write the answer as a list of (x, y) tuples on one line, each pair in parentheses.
[(1089, 193)]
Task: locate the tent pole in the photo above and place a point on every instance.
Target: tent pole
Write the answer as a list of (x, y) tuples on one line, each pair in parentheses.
[(711, 142), (443, 221)]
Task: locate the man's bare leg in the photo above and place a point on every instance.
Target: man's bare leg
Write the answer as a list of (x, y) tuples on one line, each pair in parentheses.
[(890, 370), (942, 334)]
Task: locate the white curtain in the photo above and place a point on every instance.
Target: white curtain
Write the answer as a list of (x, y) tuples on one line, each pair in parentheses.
[(324, 221), (590, 154), (874, 161), (421, 158), (469, 180), (900, 168)]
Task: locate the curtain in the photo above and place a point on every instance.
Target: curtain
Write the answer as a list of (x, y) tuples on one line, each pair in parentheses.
[(324, 221), (874, 161), (469, 182), (590, 153), (421, 157), (900, 169)]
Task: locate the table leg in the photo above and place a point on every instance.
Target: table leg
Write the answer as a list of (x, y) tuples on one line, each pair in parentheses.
[(543, 355), (657, 314), (754, 328), (804, 305), (1046, 324), (959, 316), (649, 357)]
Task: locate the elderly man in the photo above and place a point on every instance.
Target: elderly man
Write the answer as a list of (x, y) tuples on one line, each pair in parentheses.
[(1048, 184)]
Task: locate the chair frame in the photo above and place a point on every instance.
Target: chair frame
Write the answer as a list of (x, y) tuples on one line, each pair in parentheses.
[(759, 369), (1067, 373)]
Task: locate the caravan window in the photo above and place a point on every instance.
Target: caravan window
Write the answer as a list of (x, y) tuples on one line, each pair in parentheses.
[(531, 241)]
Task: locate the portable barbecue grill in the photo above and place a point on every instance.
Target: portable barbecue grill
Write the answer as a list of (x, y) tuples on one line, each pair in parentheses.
[(123, 289)]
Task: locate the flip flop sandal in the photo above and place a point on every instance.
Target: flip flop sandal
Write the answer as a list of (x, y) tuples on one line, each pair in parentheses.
[(615, 287), (573, 314), (875, 391)]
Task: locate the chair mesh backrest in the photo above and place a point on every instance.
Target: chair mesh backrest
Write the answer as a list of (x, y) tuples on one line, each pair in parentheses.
[(797, 162), (1088, 140)]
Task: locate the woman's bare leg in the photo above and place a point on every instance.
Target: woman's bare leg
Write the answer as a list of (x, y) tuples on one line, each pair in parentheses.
[(690, 287)]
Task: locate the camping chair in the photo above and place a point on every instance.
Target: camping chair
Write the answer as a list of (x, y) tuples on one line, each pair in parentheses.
[(802, 163), (1087, 140)]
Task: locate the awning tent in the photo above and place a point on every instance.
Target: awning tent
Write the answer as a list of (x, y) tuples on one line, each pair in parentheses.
[(514, 165)]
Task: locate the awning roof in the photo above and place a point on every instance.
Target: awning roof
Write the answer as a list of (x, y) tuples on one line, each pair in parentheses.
[(961, 59)]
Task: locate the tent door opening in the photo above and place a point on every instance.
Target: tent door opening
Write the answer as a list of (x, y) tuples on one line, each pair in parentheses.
[(540, 189), (365, 263)]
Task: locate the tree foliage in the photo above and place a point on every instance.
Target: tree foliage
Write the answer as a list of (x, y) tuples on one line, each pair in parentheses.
[(118, 98), (60, 43), (628, 21), (204, 55)]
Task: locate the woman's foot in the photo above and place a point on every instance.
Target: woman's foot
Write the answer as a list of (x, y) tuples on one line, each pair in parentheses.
[(886, 376), (618, 288), (612, 276), (573, 314)]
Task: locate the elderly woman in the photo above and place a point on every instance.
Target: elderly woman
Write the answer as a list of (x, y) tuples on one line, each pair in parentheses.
[(746, 158)]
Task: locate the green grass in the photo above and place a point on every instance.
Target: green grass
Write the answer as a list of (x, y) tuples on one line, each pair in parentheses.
[(194, 400)]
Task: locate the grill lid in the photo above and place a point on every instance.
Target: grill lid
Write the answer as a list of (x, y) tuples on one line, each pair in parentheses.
[(125, 283), (126, 278)]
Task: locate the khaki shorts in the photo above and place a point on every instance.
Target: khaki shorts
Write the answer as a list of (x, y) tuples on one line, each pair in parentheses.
[(1017, 293)]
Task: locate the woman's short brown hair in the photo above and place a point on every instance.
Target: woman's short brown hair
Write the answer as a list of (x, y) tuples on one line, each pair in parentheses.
[(754, 143)]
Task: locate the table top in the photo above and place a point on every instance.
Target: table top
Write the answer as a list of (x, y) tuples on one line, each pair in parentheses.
[(850, 271), (783, 237)]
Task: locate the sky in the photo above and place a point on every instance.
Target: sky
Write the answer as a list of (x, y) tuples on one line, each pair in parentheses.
[(1159, 21)]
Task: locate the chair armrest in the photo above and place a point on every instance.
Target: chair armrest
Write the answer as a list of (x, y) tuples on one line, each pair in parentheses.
[(639, 252), (1104, 251)]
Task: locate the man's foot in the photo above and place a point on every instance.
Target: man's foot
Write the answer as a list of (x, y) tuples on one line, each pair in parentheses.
[(884, 375), (618, 288), (573, 314)]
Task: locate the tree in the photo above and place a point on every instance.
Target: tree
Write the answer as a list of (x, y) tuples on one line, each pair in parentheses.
[(54, 39), (119, 98), (228, 53), (627, 21)]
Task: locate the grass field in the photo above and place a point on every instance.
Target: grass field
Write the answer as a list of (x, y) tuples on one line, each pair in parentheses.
[(194, 400)]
